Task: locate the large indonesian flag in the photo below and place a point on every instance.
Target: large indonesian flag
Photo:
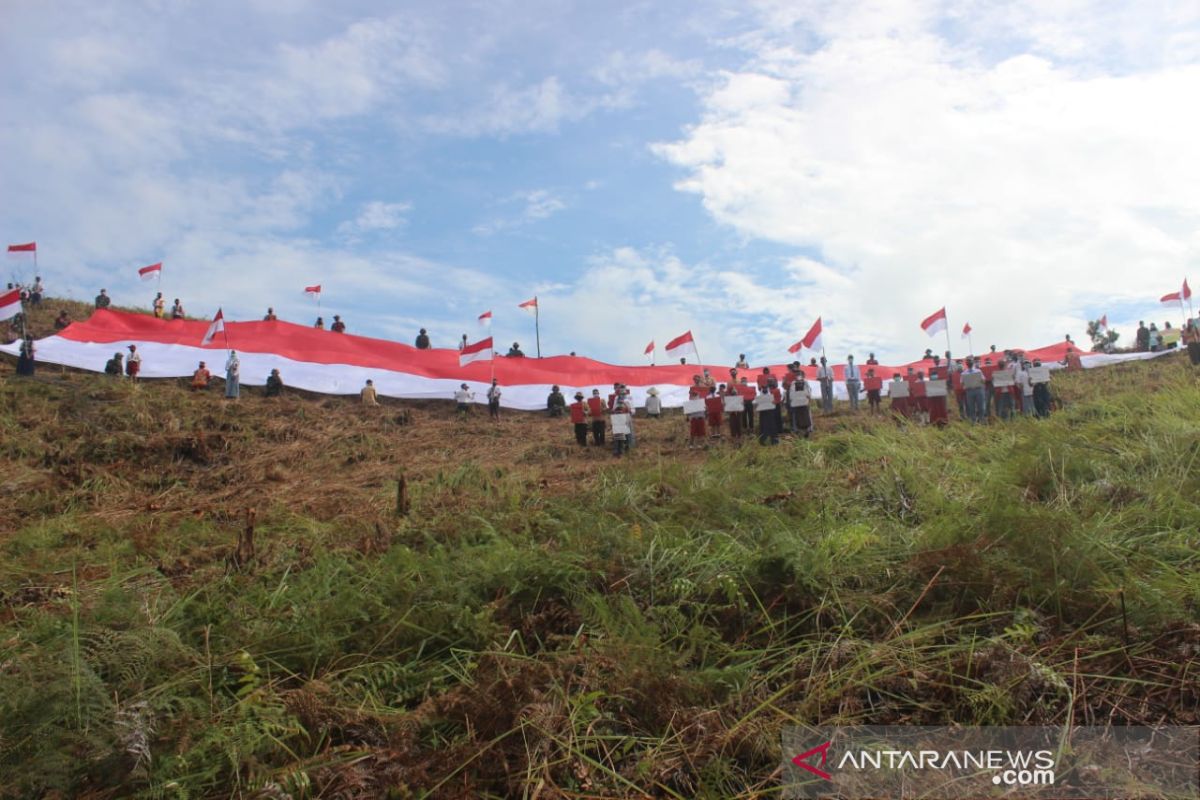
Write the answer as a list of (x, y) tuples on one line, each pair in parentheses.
[(682, 345), (479, 351), (314, 361), (935, 322), (151, 272), (812, 340), (10, 304), (217, 326)]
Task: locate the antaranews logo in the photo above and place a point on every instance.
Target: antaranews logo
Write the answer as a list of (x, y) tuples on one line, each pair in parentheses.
[(963, 761)]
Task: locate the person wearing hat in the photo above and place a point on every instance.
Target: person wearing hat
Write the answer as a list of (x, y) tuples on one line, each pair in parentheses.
[(233, 376), (103, 300), (578, 411), (463, 399), (133, 364), (114, 365), (556, 404), (653, 403), (422, 340), (274, 384), (595, 405), (200, 377), (338, 326), (853, 376)]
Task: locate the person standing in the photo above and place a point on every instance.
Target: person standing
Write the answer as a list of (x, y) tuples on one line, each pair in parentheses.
[(653, 403), (1142, 337), (160, 306), (463, 398), (714, 410), (270, 315), (874, 386), (596, 409), (578, 411), (103, 300), (799, 406), (133, 364), (853, 377), (1003, 394), (493, 398), (422, 340), (462, 343), (741, 362), (766, 407), (976, 397), (1025, 387), (319, 324), (338, 326), (825, 379), (233, 376), (937, 403), (621, 436), (36, 291), (25, 358), (1191, 340), (747, 393), (556, 404), (1041, 391), (177, 310), (734, 417), (899, 405)]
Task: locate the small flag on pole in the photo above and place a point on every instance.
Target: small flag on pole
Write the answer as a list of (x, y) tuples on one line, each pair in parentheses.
[(151, 272), (1102, 325), (966, 330), (10, 304), (682, 345), (1186, 293), (935, 322), (649, 348), (315, 291), (1170, 299), (479, 351), (530, 305), (217, 326), (812, 340), (29, 247), (485, 318)]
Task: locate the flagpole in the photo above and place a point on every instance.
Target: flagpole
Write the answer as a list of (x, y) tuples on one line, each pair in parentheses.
[(970, 344), (948, 348), (537, 331)]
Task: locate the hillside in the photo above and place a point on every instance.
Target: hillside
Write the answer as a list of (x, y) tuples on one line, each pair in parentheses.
[(546, 622)]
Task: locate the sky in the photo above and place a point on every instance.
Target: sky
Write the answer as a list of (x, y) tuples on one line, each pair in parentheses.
[(645, 168)]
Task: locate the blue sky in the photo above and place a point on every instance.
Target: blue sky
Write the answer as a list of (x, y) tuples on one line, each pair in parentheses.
[(733, 168)]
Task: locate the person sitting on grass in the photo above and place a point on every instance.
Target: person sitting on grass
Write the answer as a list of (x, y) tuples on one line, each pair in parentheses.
[(556, 404), (369, 398), (115, 365), (62, 320), (274, 384), (201, 377), (463, 399)]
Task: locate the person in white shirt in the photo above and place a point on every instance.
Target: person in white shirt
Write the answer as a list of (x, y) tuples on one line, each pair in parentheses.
[(825, 378), (653, 403), (853, 377), (493, 398), (233, 367), (463, 399), (1026, 387)]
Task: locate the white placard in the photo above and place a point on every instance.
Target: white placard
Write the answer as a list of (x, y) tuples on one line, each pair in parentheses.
[(620, 423), (935, 388), (798, 399), (972, 380), (898, 389), (1039, 374), (693, 407), (734, 404), (1003, 379)]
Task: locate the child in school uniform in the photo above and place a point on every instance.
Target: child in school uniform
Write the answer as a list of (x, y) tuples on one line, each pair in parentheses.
[(578, 411)]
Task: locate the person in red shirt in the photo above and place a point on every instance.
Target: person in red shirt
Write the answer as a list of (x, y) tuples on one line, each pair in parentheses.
[(612, 398), (873, 362), (763, 378), (747, 392), (989, 391), (578, 411), (697, 431), (714, 407), (697, 391), (919, 404), (596, 409), (734, 417), (937, 405), (899, 404), (874, 385)]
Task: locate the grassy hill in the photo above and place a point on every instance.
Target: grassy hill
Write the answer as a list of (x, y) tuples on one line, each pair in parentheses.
[(547, 622)]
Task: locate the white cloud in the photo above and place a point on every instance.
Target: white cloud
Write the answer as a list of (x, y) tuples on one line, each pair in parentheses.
[(537, 204), (376, 216), (1018, 191)]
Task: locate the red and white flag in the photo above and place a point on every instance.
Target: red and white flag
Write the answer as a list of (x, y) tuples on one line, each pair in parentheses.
[(1102, 324), (966, 330), (649, 348), (479, 351), (315, 291), (28, 247), (151, 272), (485, 318), (10, 304), (1170, 299), (1186, 293), (530, 305), (217, 326), (682, 345), (935, 322), (812, 340)]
